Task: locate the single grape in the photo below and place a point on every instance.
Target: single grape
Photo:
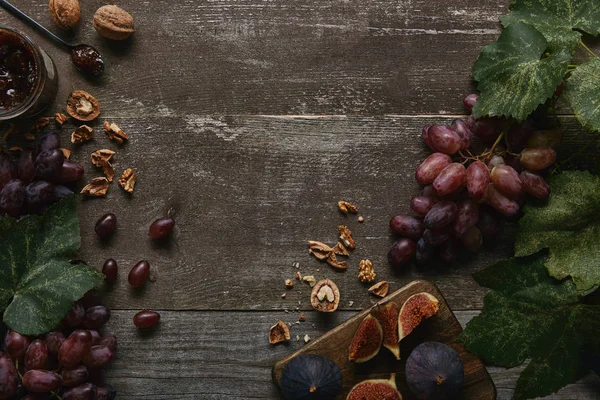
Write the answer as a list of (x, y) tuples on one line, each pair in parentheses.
[(38, 195), (507, 181), (15, 344), (441, 215), (424, 252), (26, 166), (8, 171), (48, 163), (109, 340), (518, 134), (53, 341), (97, 356), (91, 298), (402, 252), (96, 337), (36, 355), (74, 376), (546, 138), (161, 228), (468, 215), (146, 319), (484, 129), (500, 202), (12, 198), (74, 347), (96, 317), (49, 141), (469, 101), (9, 380), (425, 135), (452, 178), (106, 225), (489, 223), (87, 391), (40, 381), (462, 130), (472, 239), (431, 167), (428, 191), (75, 315), (514, 162), (478, 179), (535, 185), (106, 393), (449, 250), (70, 172), (36, 396), (421, 204), (435, 237), (495, 161), (407, 226), (444, 139), (139, 274), (538, 158), (110, 270)]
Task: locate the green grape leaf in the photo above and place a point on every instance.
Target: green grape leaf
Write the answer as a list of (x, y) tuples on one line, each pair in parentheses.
[(557, 19), (38, 284), (583, 93), (516, 73), (569, 226), (530, 316)]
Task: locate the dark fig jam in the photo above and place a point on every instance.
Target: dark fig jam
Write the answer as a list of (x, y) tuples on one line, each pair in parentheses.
[(18, 70)]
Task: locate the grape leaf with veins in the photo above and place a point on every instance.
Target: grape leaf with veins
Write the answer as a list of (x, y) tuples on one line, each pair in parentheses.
[(516, 73), (583, 93), (38, 284)]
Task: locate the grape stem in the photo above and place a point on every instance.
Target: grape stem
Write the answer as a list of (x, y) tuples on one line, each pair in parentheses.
[(588, 49), (491, 152), (55, 394)]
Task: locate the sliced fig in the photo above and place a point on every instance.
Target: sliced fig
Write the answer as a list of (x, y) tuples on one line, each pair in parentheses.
[(375, 389), (417, 308), (311, 377), (366, 341), (387, 315)]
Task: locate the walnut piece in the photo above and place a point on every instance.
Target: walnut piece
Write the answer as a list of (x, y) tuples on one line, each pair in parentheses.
[(366, 272), (301, 317), (82, 106), (333, 261), (361, 218), (101, 158), (114, 132), (279, 332), (380, 289), (340, 249), (30, 137), (113, 22), (346, 207), (127, 181), (65, 13), (66, 153), (320, 250), (41, 122), (60, 119), (306, 338), (346, 237), (82, 134), (310, 280), (96, 188), (289, 283)]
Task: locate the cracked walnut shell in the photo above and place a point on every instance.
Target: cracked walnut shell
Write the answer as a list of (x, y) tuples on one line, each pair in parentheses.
[(83, 106), (325, 296), (82, 134), (279, 332), (113, 22), (366, 271), (127, 181), (96, 188), (380, 289)]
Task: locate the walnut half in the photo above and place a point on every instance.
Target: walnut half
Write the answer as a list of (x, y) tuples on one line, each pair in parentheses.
[(83, 106)]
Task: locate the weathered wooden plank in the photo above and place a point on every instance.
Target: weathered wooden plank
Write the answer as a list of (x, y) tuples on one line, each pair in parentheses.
[(217, 355), (248, 192), (281, 57)]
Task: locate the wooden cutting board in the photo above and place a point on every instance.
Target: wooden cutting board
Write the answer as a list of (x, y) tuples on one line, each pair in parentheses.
[(443, 327)]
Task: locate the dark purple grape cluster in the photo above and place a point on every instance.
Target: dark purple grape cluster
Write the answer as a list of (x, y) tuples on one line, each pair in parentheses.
[(37, 179), (66, 362), (480, 171)]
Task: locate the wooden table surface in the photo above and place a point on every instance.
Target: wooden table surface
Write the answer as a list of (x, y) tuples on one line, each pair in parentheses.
[(252, 118)]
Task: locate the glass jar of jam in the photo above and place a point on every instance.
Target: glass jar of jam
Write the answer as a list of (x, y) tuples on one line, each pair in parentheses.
[(28, 79)]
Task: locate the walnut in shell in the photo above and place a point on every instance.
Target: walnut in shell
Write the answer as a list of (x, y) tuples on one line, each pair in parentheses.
[(83, 106), (65, 13), (113, 22), (325, 296)]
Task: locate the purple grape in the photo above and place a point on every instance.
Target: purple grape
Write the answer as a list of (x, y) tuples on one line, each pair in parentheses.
[(53, 341), (424, 252), (495, 161), (444, 139), (106, 393), (469, 101), (450, 250), (507, 181), (425, 135), (36, 355), (50, 141), (478, 179), (75, 316), (48, 163), (452, 178), (472, 239), (435, 237), (535, 185), (70, 172), (9, 381), (74, 376), (26, 166), (38, 195), (12, 197), (109, 340), (402, 252), (97, 356), (87, 391), (431, 167), (407, 226), (519, 134), (548, 138), (40, 381), (428, 191), (61, 192), (441, 215), (488, 224), (485, 129), (96, 317), (462, 130), (74, 347), (500, 202), (421, 204), (468, 215), (538, 158)]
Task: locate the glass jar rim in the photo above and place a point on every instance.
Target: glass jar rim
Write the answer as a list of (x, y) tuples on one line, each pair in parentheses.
[(35, 94)]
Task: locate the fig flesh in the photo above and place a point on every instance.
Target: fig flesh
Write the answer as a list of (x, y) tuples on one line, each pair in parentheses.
[(375, 389), (387, 315), (434, 371), (311, 377), (366, 341), (415, 309)]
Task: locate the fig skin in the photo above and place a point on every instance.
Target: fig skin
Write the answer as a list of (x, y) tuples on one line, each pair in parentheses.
[(375, 389), (415, 309), (366, 341), (387, 315), (434, 371), (311, 377)]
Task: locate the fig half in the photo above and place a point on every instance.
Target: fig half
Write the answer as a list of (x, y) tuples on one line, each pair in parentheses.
[(387, 315), (366, 341), (375, 389), (417, 308)]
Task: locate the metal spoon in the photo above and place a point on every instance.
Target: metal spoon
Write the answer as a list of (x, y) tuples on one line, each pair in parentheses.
[(86, 58)]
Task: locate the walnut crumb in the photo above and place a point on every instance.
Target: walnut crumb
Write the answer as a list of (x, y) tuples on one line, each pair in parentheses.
[(346, 237), (279, 332), (127, 180), (101, 158), (289, 283), (301, 317), (82, 134), (96, 188), (60, 119), (114, 132), (310, 280), (298, 275), (66, 153), (346, 207), (283, 296), (380, 289), (366, 271), (361, 219), (306, 338), (340, 250), (30, 137), (333, 261), (16, 148)]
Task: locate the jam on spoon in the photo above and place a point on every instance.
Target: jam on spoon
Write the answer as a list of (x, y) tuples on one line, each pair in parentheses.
[(87, 59)]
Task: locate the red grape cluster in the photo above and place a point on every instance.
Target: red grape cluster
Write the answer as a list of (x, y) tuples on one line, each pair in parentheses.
[(66, 362), (29, 184), (480, 170)]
